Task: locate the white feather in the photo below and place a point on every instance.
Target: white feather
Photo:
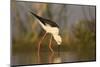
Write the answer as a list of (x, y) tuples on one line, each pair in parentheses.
[(55, 32), (52, 30)]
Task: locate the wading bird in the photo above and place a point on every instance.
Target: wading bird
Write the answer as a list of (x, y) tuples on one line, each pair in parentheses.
[(50, 27)]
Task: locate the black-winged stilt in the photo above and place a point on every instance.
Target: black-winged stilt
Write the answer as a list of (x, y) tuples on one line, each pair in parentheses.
[(50, 27)]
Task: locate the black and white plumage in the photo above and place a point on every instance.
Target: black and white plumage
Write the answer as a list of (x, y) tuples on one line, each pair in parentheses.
[(50, 27)]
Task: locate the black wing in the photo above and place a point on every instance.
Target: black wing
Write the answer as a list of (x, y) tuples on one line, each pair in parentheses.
[(45, 21)]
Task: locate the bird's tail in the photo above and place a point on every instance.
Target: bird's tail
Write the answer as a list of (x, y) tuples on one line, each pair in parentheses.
[(35, 15)]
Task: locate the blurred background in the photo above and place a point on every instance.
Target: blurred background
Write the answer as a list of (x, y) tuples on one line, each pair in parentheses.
[(77, 28)]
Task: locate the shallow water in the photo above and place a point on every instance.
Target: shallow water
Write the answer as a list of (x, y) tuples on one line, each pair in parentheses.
[(46, 57)]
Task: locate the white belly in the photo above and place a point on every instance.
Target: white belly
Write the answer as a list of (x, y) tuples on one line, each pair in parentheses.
[(52, 30)]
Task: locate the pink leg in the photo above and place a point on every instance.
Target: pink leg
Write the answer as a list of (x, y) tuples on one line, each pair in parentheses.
[(50, 44), (39, 47), (51, 55), (41, 41)]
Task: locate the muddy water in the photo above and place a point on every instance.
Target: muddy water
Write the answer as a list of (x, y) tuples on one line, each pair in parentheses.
[(43, 57)]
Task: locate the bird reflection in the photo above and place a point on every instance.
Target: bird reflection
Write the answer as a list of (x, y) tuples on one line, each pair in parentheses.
[(57, 60), (54, 58)]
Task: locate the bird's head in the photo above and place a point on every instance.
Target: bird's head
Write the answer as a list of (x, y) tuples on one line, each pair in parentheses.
[(58, 39)]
